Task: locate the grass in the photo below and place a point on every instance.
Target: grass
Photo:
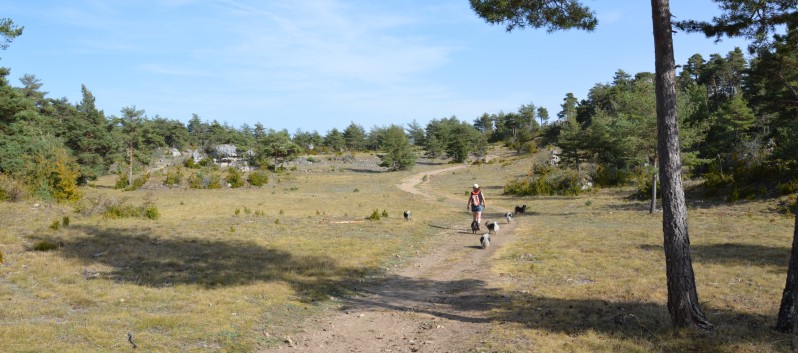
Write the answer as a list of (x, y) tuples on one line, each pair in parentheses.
[(584, 274), (184, 281)]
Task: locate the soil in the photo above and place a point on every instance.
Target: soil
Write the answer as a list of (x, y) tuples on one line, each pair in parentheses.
[(440, 302)]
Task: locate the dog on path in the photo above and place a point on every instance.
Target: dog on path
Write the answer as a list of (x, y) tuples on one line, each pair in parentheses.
[(493, 226), (408, 215), (520, 209), (474, 226), (508, 216), (484, 240)]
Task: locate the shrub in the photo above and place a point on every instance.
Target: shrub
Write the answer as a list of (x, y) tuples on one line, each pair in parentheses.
[(191, 164), (55, 225), (12, 189), (114, 209), (312, 160), (121, 181), (385, 213), (234, 177), (611, 176), (787, 188), (53, 174), (258, 178), (195, 180), (1, 257), (45, 245), (206, 162), (547, 181), (65, 221), (375, 216), (644, 184), (213, 181), (138, 182), (151, 212), (173, 176)]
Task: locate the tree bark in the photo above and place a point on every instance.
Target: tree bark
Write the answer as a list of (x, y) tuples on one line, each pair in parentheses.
[(653, 206), (788, 319), (683, 304)]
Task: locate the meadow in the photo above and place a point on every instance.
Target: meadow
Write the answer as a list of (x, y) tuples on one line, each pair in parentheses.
[(237, 270)]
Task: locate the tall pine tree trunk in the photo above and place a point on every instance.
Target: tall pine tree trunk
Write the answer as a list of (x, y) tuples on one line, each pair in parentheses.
[(130, 171), (682, 294), (653, 206), (788, 319)]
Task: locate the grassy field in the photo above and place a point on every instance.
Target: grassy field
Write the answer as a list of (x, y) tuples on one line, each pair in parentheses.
[(237, 269)]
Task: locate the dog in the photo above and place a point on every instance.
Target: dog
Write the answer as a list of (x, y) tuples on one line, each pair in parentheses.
[(484, 240), (493, 226), (520, 209), (408, 215), (474, 226), (508, 216)]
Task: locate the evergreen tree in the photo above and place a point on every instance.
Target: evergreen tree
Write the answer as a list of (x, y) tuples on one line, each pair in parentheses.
[(398, 153), (355, 137), (564, 14)]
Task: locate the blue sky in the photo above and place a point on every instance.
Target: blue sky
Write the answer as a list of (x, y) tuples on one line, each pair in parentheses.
[(322, 64)]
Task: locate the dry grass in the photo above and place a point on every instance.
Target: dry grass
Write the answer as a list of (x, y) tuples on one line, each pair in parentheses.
[(581, 276), (587, 273), (202, 277)]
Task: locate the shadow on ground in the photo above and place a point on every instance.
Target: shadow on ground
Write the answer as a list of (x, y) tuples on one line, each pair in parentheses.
[(735, 254), (137, 257), (472, 301)]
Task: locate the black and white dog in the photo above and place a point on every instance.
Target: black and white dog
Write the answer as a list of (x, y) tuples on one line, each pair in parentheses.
[(484, 240), (408, 215), (474, 226), (493, 226), (508, 216), (520, 209)]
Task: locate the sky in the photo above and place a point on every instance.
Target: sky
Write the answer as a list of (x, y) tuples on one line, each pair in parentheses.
[(316, 65)]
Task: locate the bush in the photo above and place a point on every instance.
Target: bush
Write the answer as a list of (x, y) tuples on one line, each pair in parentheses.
[(548, 181), (195, 181), (611, 176), (644, 184), (234, 177), (151, 212), (258, 178), (52, 173), (189, 163), (174, 176), (114, 208), (1, 257), (121, 181), (12, 189), (375, 216), (213, 181), (138, 182), (45, 245)]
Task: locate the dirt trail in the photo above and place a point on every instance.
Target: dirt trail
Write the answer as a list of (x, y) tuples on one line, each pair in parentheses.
[(440, 302)]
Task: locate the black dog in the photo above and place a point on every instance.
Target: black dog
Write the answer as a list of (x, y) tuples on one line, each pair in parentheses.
[(520, 209), (474, 226)]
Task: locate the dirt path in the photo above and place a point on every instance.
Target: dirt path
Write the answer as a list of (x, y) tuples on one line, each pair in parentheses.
[(440, 302)]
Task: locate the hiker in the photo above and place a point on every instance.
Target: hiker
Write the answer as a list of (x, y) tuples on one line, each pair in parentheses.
[(476, 203)]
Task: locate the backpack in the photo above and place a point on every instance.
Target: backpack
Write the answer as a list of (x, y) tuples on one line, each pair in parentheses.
[(476, 198)]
